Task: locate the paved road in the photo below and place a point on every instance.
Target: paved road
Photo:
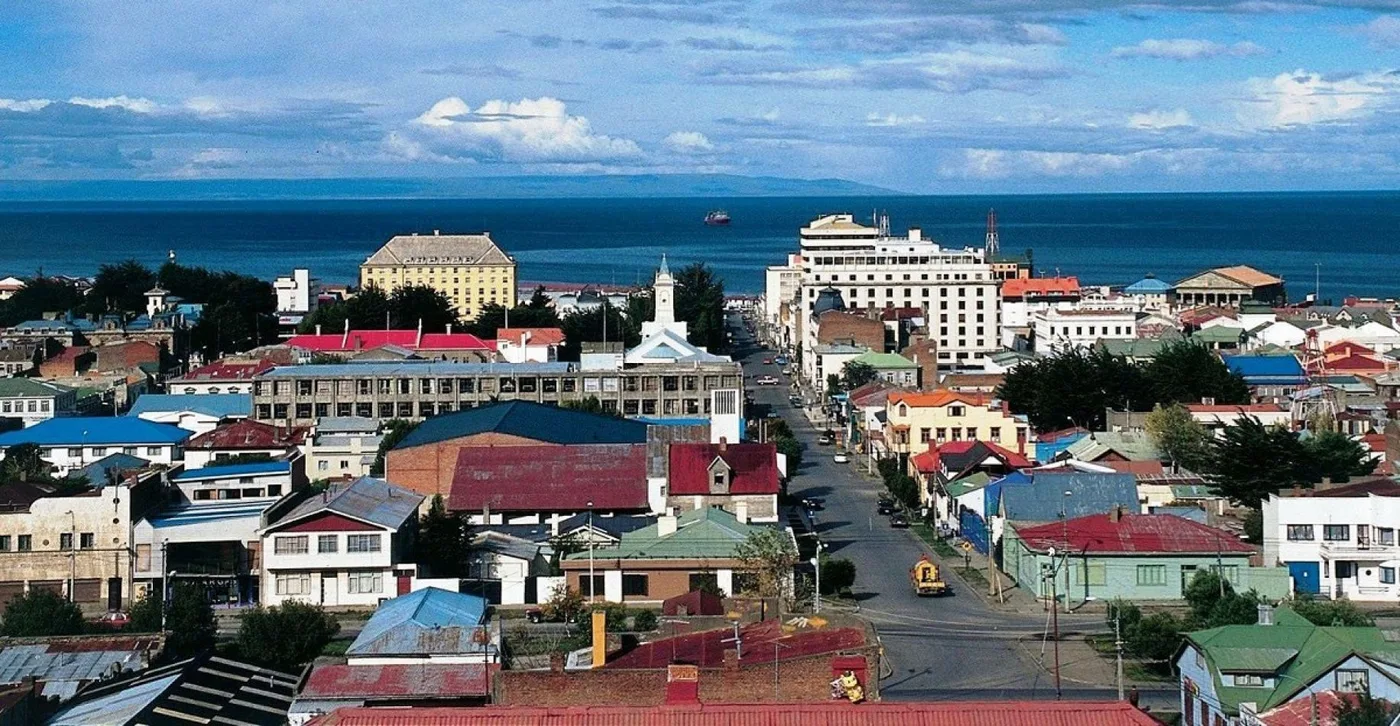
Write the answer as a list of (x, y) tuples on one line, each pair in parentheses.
[(954, 647)]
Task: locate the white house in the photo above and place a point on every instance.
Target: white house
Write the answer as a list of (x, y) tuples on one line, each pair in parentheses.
[(32, 401), (1217, 416), (342, 446), (74, 442), (1056, 329), (198, 413), (1337, 542), (529, 345), (219, 377), (1281, 333), (296, 296), (511, 560), (344, 547), (1373, 334)]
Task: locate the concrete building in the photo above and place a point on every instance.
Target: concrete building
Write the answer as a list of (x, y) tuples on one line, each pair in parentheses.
[(782, 284), (219, 377), (32, 401), (73, 443), (297, 295), (470, 269), (362, 345), (1151, 294), (740, 478), (956, 288), (342, 448), (1230, 286), (1056, 329), (1022, 298), (529, 345), (1339, 541), (245, 437), (892, 368)]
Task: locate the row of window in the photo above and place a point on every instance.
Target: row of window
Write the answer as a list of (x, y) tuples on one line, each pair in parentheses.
[(637, 585), (25, 542), (1348, 681), (325, 543), (854, 292), (941, 434), (76, 452), (25, 406), (1341, 533), (1079, 330), (906, 261), (298, 584), (503, 384), (425, 409)]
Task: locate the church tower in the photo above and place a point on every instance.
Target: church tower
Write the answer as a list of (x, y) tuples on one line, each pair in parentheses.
[(664, 295)]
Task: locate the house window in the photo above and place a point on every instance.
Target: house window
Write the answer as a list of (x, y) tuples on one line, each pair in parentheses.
[(152, 451), (323, 465), (294, 584), (1336, 532), (4, 543), (1353, 681), (86, 541), (1300, 532), (365, 583), (1387, 573), (362, 543), (75, 452), (290, 545), (707, 581), (924, 436), (1249, 681), (956, 410), (587, 586), (65, 541), (327, 544), (995, 434), (25, 543), (1095, 574), (1152, 574), (634, 585), (1385, 535)]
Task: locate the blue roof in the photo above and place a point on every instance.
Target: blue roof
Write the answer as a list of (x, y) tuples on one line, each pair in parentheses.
[(99, 471), (1044, 500), (672, 420), (411, 369), (528, 420), (1265, 369), (428, 621), (219, 405), (185, 515), (220, 472), (95, 431), (1149, 286)]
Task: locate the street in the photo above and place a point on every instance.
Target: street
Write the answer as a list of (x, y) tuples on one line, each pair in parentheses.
[(953, 647)]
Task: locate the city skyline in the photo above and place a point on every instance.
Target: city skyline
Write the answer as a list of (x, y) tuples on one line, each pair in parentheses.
[(1004, 96)]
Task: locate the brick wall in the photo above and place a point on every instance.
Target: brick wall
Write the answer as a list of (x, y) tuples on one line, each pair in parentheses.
[(924, 353), (835, 326)]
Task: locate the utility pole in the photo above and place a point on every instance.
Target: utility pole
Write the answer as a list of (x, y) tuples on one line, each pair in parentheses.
[(1054, 574), (817, 593), (1118, 645), (993, 575)]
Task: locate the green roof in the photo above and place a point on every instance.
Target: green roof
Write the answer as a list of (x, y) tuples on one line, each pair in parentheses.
[(29, 388), (1292, 647), (970, 483), (1218, 334), (1191, 491), (1135, 348), (700, 534), (884, 361)]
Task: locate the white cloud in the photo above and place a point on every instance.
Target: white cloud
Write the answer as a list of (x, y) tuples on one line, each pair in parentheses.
[(1184, 49), (538, 130), (32, 104), (1156, 120), (1301, 98), (893, 119), (1000, 163), (135, 105), (1383, 31), (688, 142)]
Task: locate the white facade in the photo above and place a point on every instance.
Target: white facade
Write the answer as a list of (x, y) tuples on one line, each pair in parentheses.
[(1063, 329), (1374, 335), (781, 285), (1280, 333), (828, 359), (1216, 418), (294, 292), (35, 401), (78, 455), (956, 289), (332, 456), (1348, 541), (184, 386), (332, 568), (193, 421)]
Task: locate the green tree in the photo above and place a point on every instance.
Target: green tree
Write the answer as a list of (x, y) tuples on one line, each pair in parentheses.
[(144, 615), (1332, 612), (770, 555), (412, 305), (904, 490), (1250, 461), (394, 432), (285, 637), (1334, 456), (700, 303), (792, 449), (592, 405), (1155, 637), (1074, 387), (538, 312), (565, 605), (838, 574), (369, 309), (239, 310), (442, 540), (24, 462), (1182, 438), (1366, 710), (587, 326), (120, 287), (1186, 372), (40, 295), (855, 374), (41, 612), (190, 628), (644, 621)]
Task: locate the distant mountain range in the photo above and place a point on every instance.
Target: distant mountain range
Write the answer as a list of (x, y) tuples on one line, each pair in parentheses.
[(718, 186)]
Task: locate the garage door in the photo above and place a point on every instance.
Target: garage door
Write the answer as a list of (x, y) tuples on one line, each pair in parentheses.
[(87, 591), (9, 591)]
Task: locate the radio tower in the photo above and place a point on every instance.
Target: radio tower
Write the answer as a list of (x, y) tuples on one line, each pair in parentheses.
[(993, 242)]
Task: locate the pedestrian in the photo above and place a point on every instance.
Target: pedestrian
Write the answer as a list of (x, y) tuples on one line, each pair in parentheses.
[(1133, 696)]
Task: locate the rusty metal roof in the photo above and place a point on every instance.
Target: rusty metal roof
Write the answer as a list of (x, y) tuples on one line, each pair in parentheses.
[(1132, 534), (410, 680), (548, 478)]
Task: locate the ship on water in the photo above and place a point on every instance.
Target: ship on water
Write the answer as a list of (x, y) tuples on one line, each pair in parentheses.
[(717, 218)]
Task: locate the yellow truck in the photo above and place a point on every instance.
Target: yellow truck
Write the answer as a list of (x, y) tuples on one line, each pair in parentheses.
[(925, 578)]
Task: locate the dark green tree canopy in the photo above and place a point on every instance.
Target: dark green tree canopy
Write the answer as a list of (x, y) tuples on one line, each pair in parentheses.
[(41, 612), (442, 541), (1186, 372), (39, 296), (855, 374), (285, 637), (700, 303)]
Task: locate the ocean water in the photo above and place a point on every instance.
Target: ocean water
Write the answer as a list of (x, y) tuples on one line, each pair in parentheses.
[(1349, 240)]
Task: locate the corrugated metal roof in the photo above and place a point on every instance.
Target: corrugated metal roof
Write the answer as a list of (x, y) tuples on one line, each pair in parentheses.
[(95, 431), (1043, 498), (416, 369), (428, 621), (700, 533), (753, 467), (228, 470), (706, 649), (367, 499), (414, 680), (1132, 534), (528, 420), (218, 405), (550, 478), (208, 689)]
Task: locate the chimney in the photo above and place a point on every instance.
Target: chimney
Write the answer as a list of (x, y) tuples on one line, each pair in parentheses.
[(915, 234), (449, 328), (665, 525), (1116, 514), (318, 328), (1266, 614), (436, 232), (723, 444), (556, 662), (731, 659), (741, 512)]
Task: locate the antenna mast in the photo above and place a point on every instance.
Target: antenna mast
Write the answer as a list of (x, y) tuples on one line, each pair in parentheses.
[(993, 240)]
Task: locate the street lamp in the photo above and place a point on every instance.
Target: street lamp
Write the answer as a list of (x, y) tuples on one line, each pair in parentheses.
[(591, 540), (72, 556), (817, 591)]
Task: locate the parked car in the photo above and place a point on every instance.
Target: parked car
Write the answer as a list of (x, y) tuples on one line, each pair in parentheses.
[(813, 505), (841, 458), (885, 506), (768, 361), (767, 381), (825, 440), (781, 360), (899, 521), (116, 620), (795, 400)]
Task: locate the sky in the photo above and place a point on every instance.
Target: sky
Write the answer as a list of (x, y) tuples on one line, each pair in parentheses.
[(925, 96)]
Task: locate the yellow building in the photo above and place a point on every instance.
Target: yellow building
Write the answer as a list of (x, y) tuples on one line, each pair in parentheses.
[(468, 268), (913, 420)]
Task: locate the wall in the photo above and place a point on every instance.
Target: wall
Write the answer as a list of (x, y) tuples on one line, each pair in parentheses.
[(834, 326), (1318, 511), (67, 458), (662, 581), (761, 507), (982, 419)]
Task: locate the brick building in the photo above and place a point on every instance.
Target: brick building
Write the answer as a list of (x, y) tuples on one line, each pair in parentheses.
[(840, 326)]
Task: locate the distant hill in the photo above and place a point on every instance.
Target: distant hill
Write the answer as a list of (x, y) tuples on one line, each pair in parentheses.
[(499, 187)]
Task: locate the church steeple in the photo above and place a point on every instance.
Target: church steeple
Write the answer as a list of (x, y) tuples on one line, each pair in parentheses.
[(664, 289)]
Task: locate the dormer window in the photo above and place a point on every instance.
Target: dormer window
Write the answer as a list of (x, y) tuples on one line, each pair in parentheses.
[(721, 476)]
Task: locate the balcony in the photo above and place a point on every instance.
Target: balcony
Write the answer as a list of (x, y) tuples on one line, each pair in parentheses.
[(1355, 551)]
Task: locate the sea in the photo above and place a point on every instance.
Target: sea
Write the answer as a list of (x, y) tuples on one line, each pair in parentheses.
[(1337, 244)]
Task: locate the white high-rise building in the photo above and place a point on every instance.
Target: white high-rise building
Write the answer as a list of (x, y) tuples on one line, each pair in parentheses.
[(782, 284), (955, 288)]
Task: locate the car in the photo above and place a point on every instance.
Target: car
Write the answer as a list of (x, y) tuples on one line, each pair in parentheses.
[(537, 615), (115, 620), (795, 400), (813, 505), (768, 361), (885, 508), (899, 521), (826, 440), (787, 372), (841, 458), (767, 381), (781, 360)]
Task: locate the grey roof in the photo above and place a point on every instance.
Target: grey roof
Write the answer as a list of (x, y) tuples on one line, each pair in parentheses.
[(528, 420), (840, 349), (431, 621), (417, 369), (183, 693), (347, 425), (1044, 499), (99, 472), (436, 249), (615, 525), (29, 388), (367, 499), (502, 544), (64, 665), (340, 441), (1132, 445)]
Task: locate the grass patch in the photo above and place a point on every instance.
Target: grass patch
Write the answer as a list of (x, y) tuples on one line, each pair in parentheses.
[(1146, 672), (973, 576), (1102, 644), (337, 647), (931, 538), (527, 641)]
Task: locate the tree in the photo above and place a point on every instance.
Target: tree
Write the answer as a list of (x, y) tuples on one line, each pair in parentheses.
[(1186, 372), (770, 555), (369, 309), (285, 637), (792, 449), (1155, 637), (838, 574), (1250, 461), (538, 312), (565, 605), (413, 305), (120, 287), (190, 627), (24, 462), (904, 490), (700, 303), (442, 540), (1332, 612), (589, 326), (591, 404), (239, 311), (394, 432), (1074, 387), (39, 295), (1334, 456), (41, 612), (1183, 439), (1363, 709), (855, 374)]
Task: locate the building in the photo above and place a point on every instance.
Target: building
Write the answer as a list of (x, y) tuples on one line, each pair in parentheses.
[(826, 361), (956, 288), (1216, 417), (32, 401), (297, 295), (534, 345), (1231, 673), (1271, 378), (1151, 294), (341, 448), (1338, 541), (677, 554), (1109, 446), (219, 377), (77, 545), (1129, 556), (9, 286), (782, 285), (363, 344), (245, 437), (1023, 297), (350, 545), (892, 368), (1055, 329), (470, 269), (1230, 286), (913, 420), (740, 478), (197, 413), (956, 461), (57, 667), (74, 442)]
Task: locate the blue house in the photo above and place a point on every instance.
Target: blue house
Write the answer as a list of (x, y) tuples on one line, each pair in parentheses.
[(1269, 377)]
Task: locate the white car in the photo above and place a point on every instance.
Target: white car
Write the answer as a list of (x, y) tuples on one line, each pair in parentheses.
[(767, 381), (841, 458)]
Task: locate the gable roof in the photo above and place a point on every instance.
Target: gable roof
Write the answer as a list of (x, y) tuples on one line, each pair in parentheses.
[(1242, 274), (545, 478), (366, 499), (1136, 534), (885, 361), (216, 405), (95, 431), (431, 621), (440, 249), (753, 468), (1266, 369), (1149, 285), (29, 388), (941, 397), (1042, 498), (538, 336), (710, 533), (226, 371), (367, 339), (250, 434), (667, 346), (528, 420), (1133, 445), (706, 648), (230, 470), (177, 693), (1018, 287)]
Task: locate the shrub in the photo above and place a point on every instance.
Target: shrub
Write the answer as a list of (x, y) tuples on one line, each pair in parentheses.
[(838, 574), (1332, 612), (286, 636), (41, 612), (644, 621)]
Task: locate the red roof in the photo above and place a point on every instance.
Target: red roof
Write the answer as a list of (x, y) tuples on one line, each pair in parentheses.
[(420, 680), (965, 713), (249, 434), (366, 339), (1357, 362), (927, 462), (904, 313), (1348, 347), (538, 336), (550, 478), (706, 649), (1379, 486), (1040, 286), (958, 451), (221, 371), (1299, 711), (753, 468), (1235, 408), (1132, 534)]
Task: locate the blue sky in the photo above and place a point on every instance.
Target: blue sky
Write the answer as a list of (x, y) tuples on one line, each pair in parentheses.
[(939, 96)]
